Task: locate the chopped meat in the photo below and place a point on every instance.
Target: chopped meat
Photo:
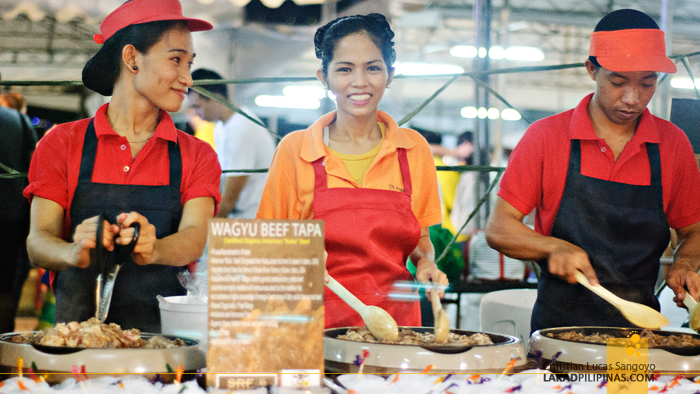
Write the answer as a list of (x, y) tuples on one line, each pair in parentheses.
[(158, 342), (655, 340), (93, 334), (410, 337)]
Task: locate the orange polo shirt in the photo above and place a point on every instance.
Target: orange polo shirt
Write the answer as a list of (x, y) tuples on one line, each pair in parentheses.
[(289, 191)]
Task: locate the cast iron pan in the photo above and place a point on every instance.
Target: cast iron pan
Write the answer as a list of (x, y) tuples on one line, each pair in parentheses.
[(624, 333)]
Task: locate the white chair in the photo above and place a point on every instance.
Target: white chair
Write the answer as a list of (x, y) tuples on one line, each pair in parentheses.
[(508, 312)]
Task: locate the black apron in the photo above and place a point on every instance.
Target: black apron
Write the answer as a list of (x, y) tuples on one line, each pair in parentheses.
[(624, 230), (134, 303)]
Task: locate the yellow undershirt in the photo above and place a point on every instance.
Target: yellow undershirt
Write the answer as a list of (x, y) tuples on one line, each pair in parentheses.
[(357, 165)]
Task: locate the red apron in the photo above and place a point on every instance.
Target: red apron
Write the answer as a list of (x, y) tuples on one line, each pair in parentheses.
[(369, 235)]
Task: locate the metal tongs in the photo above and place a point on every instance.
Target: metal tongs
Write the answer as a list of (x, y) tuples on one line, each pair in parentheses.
[(108, 274)]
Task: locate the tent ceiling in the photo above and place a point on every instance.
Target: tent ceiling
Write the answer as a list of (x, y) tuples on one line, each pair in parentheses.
[(52, 40)]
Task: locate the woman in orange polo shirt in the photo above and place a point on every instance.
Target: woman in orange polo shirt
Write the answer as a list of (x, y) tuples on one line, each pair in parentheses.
[(373, 183)]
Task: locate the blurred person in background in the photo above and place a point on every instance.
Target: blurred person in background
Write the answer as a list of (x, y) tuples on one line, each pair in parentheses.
[(447, 180), (442, 234), (240, 145), (203, 129), (464, 198), (15, 101), (18, 142)]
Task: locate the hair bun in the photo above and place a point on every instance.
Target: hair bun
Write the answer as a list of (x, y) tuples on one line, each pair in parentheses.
[(381, 20), (320, 35), (376, 25)]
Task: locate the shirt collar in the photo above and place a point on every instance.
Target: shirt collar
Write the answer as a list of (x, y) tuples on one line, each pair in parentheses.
[(165, 130), (581, 128), (313, 148)]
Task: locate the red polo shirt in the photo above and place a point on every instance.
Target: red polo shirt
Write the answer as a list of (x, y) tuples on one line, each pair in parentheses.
[(536, 173), (55, 166)]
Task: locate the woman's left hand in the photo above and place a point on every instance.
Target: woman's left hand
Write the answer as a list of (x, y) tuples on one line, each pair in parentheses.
[(144, 251), (427, 272)]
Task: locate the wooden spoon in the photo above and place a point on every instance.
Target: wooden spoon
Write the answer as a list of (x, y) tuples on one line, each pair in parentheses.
[(638, 314), (693, 311), (442, 322), (378, 321)]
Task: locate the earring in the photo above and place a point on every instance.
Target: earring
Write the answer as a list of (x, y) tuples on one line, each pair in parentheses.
[(135, 67)]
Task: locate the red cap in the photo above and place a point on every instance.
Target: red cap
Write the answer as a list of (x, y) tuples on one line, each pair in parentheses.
[(135, 12), (631, 50)]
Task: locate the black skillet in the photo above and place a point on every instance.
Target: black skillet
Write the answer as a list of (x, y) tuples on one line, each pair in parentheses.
[(123, 252)]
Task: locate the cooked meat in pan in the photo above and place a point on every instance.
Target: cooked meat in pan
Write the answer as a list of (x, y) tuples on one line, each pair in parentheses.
[(655, 340), (410, 337), (93, 334)]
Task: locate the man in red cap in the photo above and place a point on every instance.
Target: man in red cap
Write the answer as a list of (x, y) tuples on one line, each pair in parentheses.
[(607, 180)]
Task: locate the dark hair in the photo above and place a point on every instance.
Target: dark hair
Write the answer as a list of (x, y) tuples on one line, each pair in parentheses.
[(375, 25), (623, 20), (13, 100), (430, 136), (467, 136), (102, 70), (203, 73)]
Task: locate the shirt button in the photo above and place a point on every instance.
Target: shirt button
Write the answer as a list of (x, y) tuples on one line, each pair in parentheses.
[(123, 147), (603, 149), (126, 168)]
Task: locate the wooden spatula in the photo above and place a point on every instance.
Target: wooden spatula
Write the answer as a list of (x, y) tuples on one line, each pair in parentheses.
[(638, 314), (693, 311), (378, 321), (442, 322)]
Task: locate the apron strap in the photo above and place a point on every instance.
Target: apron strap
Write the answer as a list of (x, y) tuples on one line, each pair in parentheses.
[(175, 157), (655, 169), (575, 158), (87, 161), (320, 181), (405, 171)]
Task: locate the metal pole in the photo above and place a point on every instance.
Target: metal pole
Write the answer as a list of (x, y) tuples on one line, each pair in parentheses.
[(329, 11), (482, 30), (502, 39), (666, 24)]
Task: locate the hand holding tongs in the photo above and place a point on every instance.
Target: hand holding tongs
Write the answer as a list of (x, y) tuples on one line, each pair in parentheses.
[(108, 275)]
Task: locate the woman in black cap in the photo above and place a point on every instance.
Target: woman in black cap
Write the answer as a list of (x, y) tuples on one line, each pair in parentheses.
[(131, 163)]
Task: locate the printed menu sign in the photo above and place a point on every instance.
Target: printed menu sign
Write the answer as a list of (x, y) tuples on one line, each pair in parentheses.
[(265, 300)]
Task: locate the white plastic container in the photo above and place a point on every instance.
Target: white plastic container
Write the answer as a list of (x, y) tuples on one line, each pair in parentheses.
[(182, 317), (508, 312)]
